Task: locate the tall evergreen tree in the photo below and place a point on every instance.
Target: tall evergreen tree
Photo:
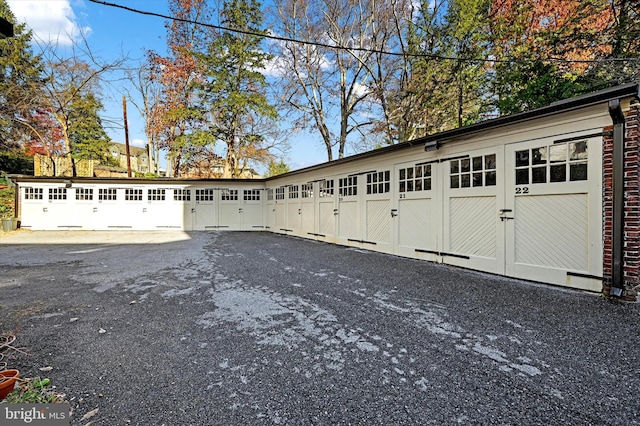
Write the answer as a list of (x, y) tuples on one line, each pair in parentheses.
[(466, 35), (233, 87), (277, 168), (20, 84), (87, 137), (448, 78)]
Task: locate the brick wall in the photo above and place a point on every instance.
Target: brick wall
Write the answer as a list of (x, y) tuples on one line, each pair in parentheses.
[(631, 251)]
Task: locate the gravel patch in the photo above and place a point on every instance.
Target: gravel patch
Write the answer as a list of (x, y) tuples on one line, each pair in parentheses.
[(255, 328)]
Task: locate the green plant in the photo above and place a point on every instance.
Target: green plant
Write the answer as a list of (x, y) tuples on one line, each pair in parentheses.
[(34, 390), (16, 162), (7, 199), (5, 211)]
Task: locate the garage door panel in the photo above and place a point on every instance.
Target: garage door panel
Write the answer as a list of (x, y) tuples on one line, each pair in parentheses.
[(229, 215), (552, 231), (415, 224), (348, 220), (308, 218), (281, 216), (293, 216), (327, 219), (378, 221), (473, 226)]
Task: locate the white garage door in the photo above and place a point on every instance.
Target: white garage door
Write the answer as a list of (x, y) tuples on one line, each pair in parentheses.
[(554, 226), (327, 210), (418, 220), (205, 209), (473, 234), (378, 214)]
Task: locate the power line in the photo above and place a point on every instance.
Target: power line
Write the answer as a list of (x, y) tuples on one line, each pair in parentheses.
[(357, 49)]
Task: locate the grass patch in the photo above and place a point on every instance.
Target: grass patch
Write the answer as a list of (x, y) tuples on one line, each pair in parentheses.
[(35, 390)]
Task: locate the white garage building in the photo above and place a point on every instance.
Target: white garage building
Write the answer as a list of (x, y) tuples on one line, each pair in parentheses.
[(546, 195)]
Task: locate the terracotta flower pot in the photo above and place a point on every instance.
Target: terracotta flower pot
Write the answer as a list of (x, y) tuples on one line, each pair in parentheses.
[(7, 382)]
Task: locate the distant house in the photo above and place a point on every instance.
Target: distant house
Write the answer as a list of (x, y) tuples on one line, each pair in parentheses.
[(213, 170), (139, 157), (211, 166), (62, 166)]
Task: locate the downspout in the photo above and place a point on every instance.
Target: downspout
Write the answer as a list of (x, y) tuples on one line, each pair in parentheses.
[(617, 267), (16, 201)]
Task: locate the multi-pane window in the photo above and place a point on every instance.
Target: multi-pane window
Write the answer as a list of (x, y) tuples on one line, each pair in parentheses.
[(57, 193), (156, 194), (475, 171), (229, 195), (280, 193), (84, 194), (416, 178), (182, 195), (378, 182), (348, 186), (107, 194), (133, 194), (307, 190), (270, 194), (555, 163), (251, 195), (294, 191), (204, 195), (326, 188), (33, 193)]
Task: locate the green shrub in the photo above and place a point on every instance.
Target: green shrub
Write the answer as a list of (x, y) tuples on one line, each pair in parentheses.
[(35, 391), (7, 201), (16, 163)]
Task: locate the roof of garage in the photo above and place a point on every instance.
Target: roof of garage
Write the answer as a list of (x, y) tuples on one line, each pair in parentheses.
[(622, 91)]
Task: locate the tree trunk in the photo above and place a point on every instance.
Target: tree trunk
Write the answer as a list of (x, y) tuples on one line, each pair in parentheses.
[(329, 151), (150, 154), (176, 165), (460, 98), (230, 163), (74, 171)]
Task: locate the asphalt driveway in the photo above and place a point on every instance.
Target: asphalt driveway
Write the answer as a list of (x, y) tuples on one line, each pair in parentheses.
[(238, 328)]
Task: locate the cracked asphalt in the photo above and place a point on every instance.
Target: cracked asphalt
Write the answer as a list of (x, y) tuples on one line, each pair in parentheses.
[(233, 328)]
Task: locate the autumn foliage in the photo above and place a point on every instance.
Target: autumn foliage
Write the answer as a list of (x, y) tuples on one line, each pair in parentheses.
[(46, 135), (571, 31)]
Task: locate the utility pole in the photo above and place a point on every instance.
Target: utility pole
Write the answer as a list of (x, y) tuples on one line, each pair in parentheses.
[(126, 135)]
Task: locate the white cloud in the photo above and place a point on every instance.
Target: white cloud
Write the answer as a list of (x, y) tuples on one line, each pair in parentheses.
[(361, 89), (139, 142), (282, 63), (276, 67), (51, 21)]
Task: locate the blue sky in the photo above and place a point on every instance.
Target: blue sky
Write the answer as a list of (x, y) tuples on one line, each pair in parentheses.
[(113, 32)]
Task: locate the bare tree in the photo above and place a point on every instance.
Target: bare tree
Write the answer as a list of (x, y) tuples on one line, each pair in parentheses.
[(70, 78), (384, 24), (146, 97), (321, 85)]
